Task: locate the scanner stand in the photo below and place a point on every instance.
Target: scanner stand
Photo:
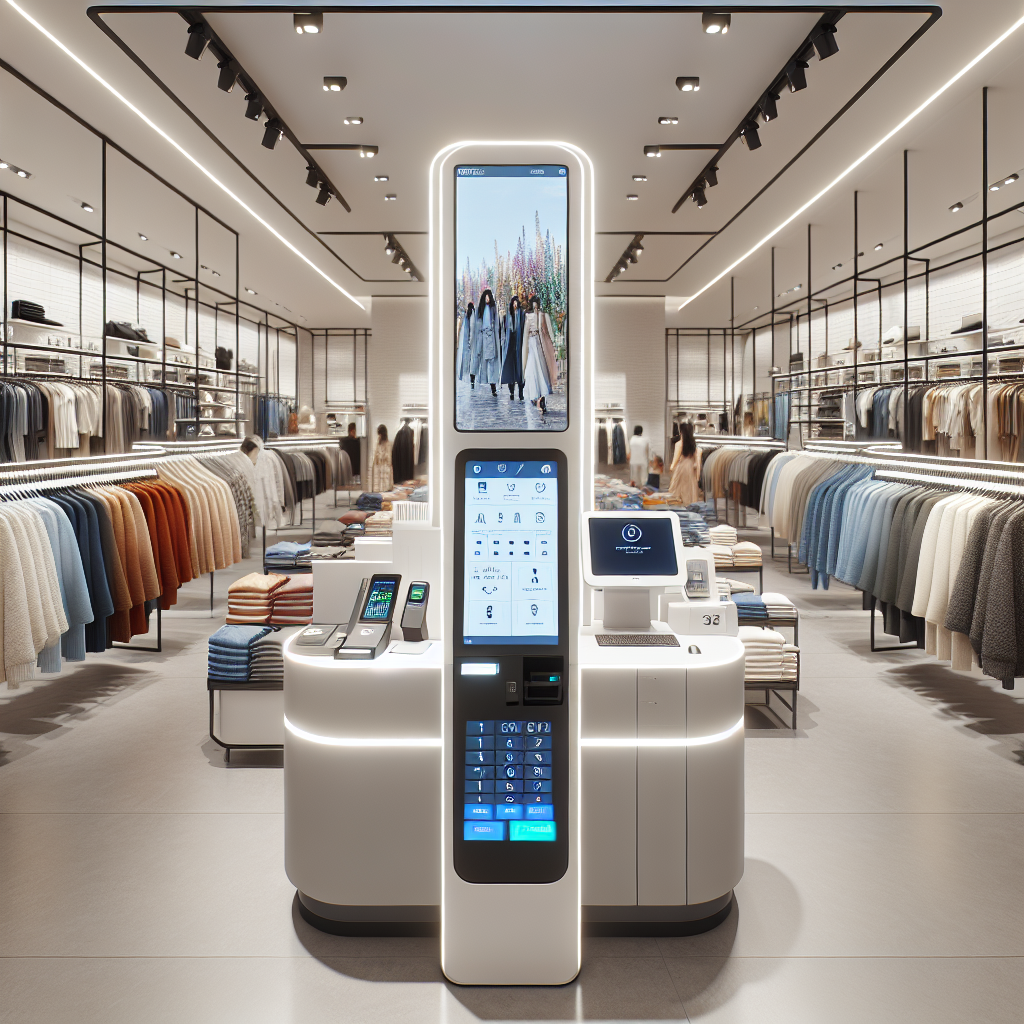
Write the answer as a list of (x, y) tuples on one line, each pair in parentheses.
[(627, 608)]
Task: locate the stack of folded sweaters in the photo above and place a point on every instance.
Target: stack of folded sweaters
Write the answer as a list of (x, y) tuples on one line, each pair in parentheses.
[(251, 598), (266, 664), (293, 603), (746, 555), (727, 586), (768, 657), (378, 525), (723, 534), (327, 541), (778, 606), (723, 556), (230, 651), (287, 554)]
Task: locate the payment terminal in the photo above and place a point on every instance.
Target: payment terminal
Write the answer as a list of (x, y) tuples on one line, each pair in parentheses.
[(370, 634)]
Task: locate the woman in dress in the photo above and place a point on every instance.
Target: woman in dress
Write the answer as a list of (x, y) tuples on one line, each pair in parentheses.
[(539, 351), (464, 353), (685, 485), (381, 474), (486, 365), (512, 360)]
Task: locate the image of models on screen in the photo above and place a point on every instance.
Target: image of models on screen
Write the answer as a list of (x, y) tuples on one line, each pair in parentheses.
[(511, 297), (510, 589), (644, 547)]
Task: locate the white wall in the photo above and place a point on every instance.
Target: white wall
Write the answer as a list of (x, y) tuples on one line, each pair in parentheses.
[(630, 362), (397, 360)]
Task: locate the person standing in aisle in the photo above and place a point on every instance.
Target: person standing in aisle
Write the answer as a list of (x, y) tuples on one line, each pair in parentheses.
[(639, 457), (539, 366), (381, 474), (486, 366), (464, 355), (350, 445), (512, 359), (685, 486)]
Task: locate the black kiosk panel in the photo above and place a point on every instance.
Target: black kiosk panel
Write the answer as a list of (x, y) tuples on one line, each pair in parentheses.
[(511, 716)]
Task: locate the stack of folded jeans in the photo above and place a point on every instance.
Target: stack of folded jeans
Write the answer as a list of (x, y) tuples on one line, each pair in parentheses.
[(229, 652), (750, 608), (369, 501), (267, 663), (287, 554)]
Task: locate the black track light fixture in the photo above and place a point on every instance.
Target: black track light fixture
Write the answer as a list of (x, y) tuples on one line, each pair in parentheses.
[(796, 76), (750, 137), (630, 257), (198, 41), (253, 106), (768, 104), (323, 197), (715, 22), (825, 41), (272, 135), (308, 24), (711, 176), (227, 76), (390, 248), (637, 250), (699, 198), (312, 176)]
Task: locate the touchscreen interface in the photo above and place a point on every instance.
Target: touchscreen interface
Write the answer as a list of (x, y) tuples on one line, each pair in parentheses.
[(417, 592), (627, 547), (508, 789), (510, 593), (511, 296), (380, 600)]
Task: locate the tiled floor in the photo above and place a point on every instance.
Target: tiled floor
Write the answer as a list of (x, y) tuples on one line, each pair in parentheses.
[(142, 881)]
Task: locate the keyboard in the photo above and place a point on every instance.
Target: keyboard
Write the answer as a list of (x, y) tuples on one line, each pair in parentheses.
[(636, 640)]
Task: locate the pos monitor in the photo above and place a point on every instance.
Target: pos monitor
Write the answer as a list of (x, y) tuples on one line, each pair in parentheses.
[(622, 549)]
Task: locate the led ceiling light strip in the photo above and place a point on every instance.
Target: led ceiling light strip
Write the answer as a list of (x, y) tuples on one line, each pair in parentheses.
[(881, 142), (360, 741), (184, 152)]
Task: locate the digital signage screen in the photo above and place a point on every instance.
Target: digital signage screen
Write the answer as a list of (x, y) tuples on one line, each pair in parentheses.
[(511, 297)]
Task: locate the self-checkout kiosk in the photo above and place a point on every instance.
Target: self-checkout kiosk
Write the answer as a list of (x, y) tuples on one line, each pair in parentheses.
[(563, 747)]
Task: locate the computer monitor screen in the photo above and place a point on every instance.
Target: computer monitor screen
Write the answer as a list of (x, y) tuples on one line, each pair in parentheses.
[(511, 297), (380, 600), (632, 547), (510, 591)]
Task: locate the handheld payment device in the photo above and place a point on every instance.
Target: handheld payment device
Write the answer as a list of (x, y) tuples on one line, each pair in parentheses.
[(371, 632), (414, 615)]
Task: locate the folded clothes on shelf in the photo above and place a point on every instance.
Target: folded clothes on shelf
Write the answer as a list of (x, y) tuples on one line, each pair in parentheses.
[(746, 554), (723, 534), (768, 657), (250, 599), (286, 554), (723, 556), (230, 651)]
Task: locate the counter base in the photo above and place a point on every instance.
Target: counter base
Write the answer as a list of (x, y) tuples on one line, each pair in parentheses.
[(366, 920), (657, 921)]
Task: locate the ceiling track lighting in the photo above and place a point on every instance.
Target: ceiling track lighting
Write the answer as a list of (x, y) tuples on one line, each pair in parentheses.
[(711, 176), (142, 237), (400, 257), (391, 198), (686, 83), (334, 83), (631, 255), (353, 120), (824, 40), (750, 137), (668, 120), (249, 291), (380, 177), (6, 165), (700, 198), (796, 78), (175, 255), (639, 177), (228, 75), (768, 105), (272, 134), (652, 150), (879, 246), (632, 197), (198, 41), (1003, 182), (253, 106), (369, 152), (715, 22), (312, 176), (308, 24), (87, 207), (324, 195)]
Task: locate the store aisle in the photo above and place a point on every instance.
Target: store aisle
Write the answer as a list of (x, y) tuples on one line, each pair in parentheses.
[(141, 880)]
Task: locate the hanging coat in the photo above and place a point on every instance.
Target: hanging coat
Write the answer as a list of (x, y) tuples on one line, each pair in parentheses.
[(464, 354), (512, 358), (486, 363)]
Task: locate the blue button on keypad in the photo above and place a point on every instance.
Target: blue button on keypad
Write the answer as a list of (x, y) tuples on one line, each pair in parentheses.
[(493, 831), (471, 812)]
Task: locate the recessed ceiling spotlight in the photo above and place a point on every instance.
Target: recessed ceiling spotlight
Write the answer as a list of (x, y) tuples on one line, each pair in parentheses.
[(994, 187), (639, 177), (353, 120), (250, 291), (687, 84), (632, 198), (22, 174), (324, 195), (272, 135), (308, 24), (652, 150), (879, 246), (1011, 179), (797, 287), (175, 255), (668, 120), (334, 83), (380, 177), (390, 197), (145, 238), (715, 23), (956, 207), (197, 41), (756, 308), (368, 151), (87, 208)]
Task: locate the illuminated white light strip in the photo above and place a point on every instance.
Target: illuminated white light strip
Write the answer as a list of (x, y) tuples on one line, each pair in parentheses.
[(489, 668), (672, 741), (188, 156), (881, 142), (359, 741)]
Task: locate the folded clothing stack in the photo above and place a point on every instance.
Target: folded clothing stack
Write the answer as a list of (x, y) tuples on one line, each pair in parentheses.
[(369, 501), (768, 657), (327, 541), (727, 586), (746, 554), (723, 556), (293, 603), (378, 525), (250, 599), (749, 608), (704, 508), (694, 529), (420, 494), (230, 650), (266, 663), (287, 554), (779, 607), (723, 534)]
